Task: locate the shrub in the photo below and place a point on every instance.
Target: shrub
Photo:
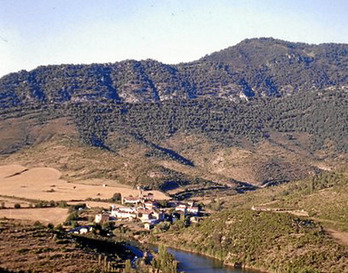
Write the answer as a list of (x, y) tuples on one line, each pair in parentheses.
[(62, 204), (37, 224), (72, 216), (17, 206), (59, 228)]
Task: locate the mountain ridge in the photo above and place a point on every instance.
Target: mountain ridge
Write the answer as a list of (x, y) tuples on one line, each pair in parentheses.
[(262, 67), (114, 106)]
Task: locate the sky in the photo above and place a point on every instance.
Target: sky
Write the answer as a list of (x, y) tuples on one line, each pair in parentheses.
[(43, 32)]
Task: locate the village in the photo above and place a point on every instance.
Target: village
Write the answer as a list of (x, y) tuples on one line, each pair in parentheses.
[(145, 212)]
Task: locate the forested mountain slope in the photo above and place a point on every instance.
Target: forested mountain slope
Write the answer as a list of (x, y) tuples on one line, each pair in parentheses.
[(264, 111), (252, 68)]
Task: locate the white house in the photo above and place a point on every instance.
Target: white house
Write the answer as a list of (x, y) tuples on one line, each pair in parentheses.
[(101, 218), (124, 213), (194, 219), (193, 210), (144, 214), (150, 204), (182, 208), (131, 200), (188, 209), (148, 226), (150, 216), (81, 229)]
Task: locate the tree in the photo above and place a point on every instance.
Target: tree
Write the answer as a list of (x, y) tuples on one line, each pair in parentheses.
[(165, 261), (116, 197), (128, 266)]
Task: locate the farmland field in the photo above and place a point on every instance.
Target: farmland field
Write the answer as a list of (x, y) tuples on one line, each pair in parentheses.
[(43, 215), (46, 184)]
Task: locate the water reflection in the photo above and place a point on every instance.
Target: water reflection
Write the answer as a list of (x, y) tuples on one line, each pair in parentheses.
[(194, 263)]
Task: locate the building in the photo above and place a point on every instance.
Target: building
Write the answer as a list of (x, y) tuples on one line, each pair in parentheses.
[(81, 230), (187, 209), (151, 216), (124, 213), (101, 218), (131, 200), (193, 210), (181, 207), (150, 204), (195, 219), (158, 214), (148, 226), (144, 214), (148, 196)]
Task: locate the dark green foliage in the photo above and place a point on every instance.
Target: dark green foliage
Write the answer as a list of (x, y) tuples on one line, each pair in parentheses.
[(165, 261), (327, 180), (44, 204), (149, 101), (321, 115), (274, 241), (62, 204)]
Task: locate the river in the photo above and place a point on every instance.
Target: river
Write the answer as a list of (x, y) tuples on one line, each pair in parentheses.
[(195, 263)]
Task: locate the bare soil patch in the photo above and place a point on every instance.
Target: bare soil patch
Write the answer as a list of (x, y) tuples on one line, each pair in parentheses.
[(95, 204), (43, 215), (339, 236)]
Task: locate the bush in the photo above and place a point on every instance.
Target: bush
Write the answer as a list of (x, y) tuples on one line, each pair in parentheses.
[(17, 206), (37, 224), (59, 228), (72, 216), (62, 204)]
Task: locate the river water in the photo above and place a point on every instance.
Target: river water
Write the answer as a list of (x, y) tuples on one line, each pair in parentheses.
[(195, 263)]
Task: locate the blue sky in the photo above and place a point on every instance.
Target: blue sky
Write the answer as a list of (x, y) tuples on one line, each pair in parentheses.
[(41, 32)]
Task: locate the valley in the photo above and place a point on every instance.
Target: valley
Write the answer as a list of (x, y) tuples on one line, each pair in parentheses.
[(253, 137)]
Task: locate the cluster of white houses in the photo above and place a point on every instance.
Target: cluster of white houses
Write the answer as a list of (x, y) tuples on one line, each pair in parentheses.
[(145, 209)]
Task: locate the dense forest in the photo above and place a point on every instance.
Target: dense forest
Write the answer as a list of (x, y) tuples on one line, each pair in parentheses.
[(322, 115), (241, 94)]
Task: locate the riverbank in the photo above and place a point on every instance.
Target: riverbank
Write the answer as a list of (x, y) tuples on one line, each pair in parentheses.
[(233, 268), (261, 241)]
